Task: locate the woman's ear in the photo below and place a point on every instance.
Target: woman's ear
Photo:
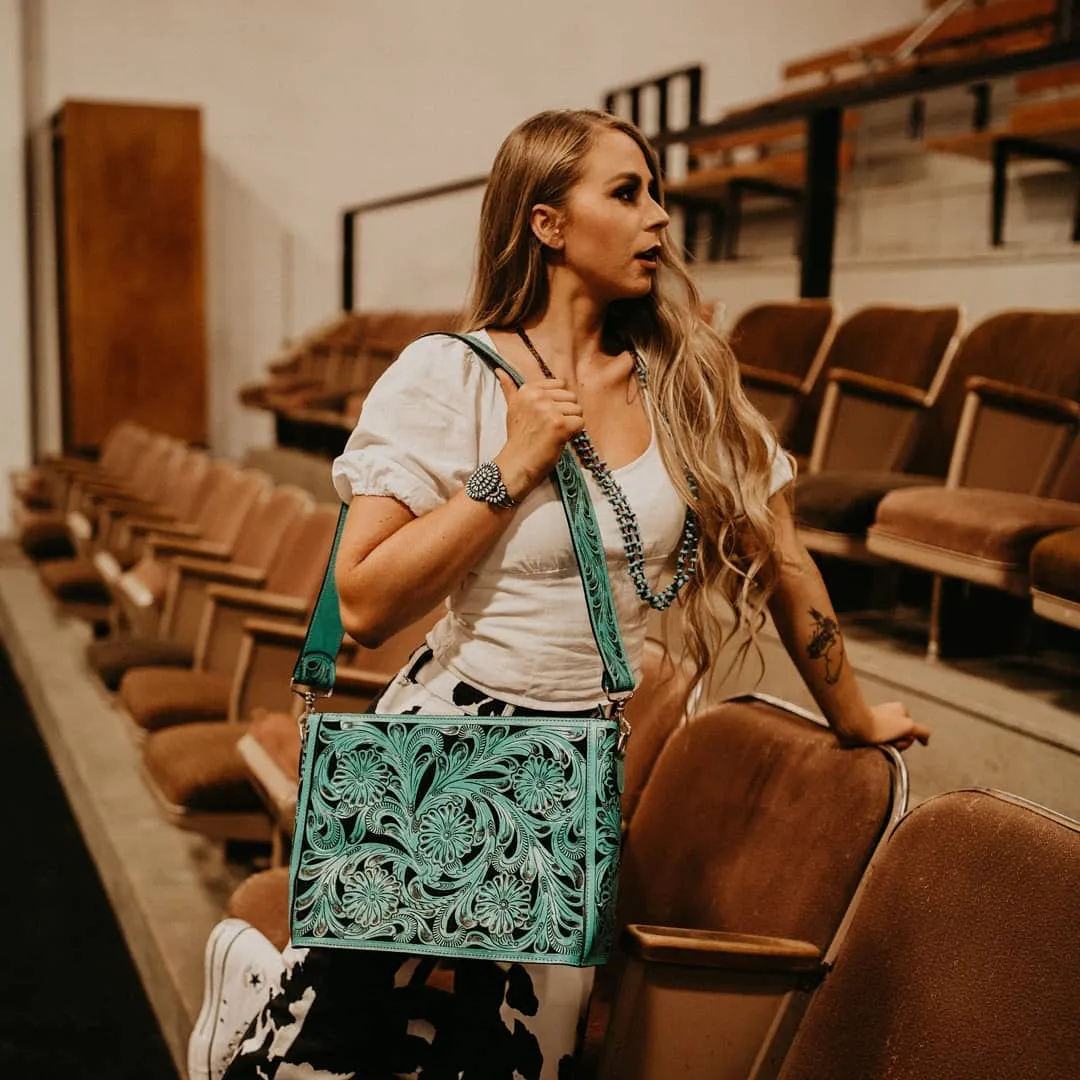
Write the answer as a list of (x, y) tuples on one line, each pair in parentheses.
[(547, 226)]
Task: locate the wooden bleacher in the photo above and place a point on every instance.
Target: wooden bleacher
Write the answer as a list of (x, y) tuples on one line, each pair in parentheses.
[(997, 27), (772, 159), (1046, 129), (315, 391), (768, 162)]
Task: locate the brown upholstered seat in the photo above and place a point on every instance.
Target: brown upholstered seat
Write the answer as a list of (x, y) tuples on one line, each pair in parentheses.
[(845, 503), (197, 770), (174, 759), (989, 535), (263, 901), (43, 535), (112, 658), (1055, 564), (217, 800), (962, 953), (654, 712), (986, 536), (270, 749), (43, 491), (1055, 577), (78, 579), (268, 742), (229, 498), (753, 822), (158, 697), (75, 579), (279, 736)]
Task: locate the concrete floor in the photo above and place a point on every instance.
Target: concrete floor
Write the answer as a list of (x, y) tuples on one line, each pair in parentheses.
[(1009, 726), (167, 887)]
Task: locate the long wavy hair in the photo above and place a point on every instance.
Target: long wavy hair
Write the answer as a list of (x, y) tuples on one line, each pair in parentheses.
[(705, 425)]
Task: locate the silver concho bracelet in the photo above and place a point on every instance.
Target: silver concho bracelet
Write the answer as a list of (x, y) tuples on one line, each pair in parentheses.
[(486, 485)]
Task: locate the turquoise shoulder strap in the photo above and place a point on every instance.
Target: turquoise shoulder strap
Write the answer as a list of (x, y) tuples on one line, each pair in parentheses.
[(315, 667)]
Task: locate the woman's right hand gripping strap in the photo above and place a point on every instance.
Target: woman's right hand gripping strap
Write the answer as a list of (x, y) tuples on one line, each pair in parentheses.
[(588, 547)]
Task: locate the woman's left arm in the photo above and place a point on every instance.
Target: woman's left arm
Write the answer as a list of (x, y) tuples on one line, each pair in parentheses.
[(804, 617)]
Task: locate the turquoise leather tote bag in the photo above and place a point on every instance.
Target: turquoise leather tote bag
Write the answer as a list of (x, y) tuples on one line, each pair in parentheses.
[(463, 836)]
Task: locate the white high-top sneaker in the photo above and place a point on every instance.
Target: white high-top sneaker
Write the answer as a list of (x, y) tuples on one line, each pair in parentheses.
[(242, 969)]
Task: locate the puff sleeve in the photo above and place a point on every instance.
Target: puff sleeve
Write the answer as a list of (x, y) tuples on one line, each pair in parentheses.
[(418, 435), (782, 473)]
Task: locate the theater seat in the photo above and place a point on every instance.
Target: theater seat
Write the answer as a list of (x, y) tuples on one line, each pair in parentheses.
[(981, 527), (43, 535), (961, 956), (158, 697), (781, 347), (201, 781), (1055, 577), (112, 658), (259, 751), (983, 426), (266, 531), (754, 825)]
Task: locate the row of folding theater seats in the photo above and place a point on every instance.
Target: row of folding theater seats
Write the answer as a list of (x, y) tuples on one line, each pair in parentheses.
[(208, 549), (748, 834), (966, 478)]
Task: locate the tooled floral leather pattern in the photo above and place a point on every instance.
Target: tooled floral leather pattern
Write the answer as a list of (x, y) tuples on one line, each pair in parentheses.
[(461, 836), (589, 549)]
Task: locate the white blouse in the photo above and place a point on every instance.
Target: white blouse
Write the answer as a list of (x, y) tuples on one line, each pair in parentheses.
[(517, 627)]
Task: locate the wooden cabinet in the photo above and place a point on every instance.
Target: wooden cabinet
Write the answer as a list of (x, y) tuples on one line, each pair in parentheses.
[(128, 182)]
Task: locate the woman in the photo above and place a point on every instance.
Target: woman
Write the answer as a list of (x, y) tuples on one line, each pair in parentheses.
[(580, 289)]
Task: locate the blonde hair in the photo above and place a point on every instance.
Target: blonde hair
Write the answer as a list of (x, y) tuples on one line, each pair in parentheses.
[(706, 427)]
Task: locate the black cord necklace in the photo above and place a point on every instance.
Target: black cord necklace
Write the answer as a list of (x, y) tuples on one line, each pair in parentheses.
[(629, 529)]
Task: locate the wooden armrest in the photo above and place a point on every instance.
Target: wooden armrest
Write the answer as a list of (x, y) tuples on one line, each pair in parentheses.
[(359, 680), (105, 486), (257, 601), (182, 545), (883, 389), (1021, 399), (286, 366), (766, 377), (164, 530), (116, 501), (275, 632), (220, 572), (720, 949)]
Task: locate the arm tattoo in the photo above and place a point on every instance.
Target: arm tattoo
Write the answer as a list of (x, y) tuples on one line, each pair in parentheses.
[(826, 642)]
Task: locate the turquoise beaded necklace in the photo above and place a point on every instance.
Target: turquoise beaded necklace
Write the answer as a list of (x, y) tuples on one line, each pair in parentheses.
[(686, 561)]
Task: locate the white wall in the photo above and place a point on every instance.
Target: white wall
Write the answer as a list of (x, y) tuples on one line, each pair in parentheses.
[(310, 105), (14, 324)]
